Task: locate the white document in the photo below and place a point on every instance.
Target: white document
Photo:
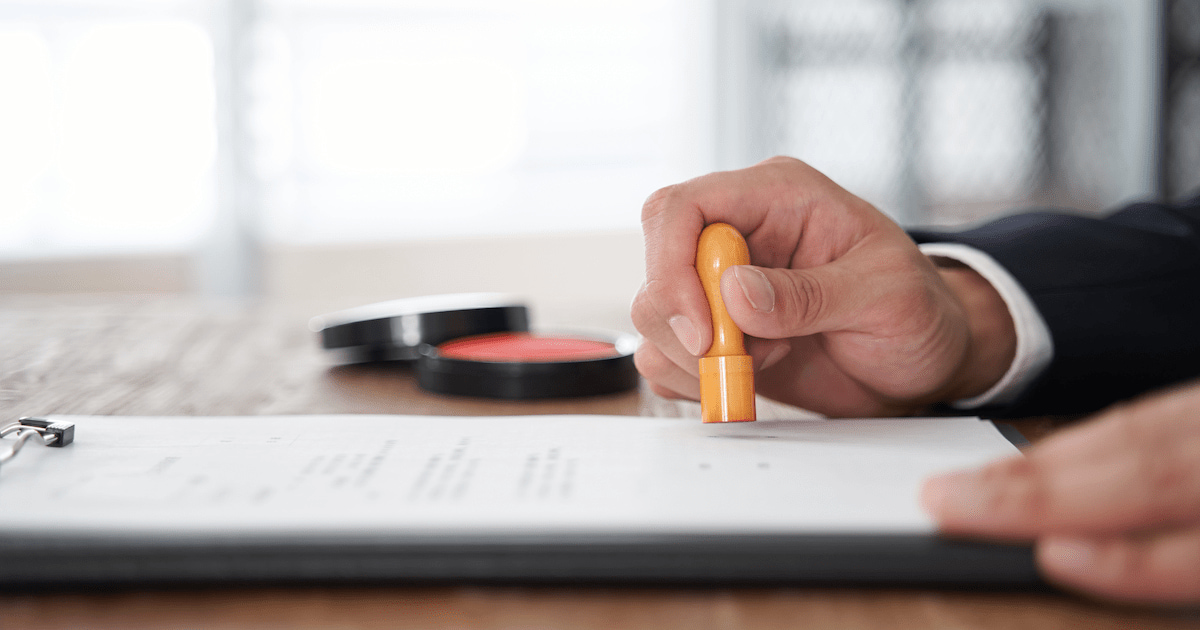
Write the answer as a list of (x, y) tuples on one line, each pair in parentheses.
[(431, 475)]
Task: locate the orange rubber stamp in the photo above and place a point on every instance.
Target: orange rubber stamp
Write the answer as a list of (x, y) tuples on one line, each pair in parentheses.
[(726, 371)]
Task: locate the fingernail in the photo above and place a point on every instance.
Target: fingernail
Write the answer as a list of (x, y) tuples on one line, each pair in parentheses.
[(1073, 555), (776, 355), (754, 285), (686, 332)]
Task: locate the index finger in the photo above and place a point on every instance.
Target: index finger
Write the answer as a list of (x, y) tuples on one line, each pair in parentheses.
[(1134, 467)]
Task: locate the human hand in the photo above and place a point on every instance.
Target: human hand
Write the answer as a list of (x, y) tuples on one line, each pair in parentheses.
[(842, 312), (1113, 504)]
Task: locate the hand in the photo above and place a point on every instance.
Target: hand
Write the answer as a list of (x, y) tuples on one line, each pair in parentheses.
[(1114, 503), (842, 312)]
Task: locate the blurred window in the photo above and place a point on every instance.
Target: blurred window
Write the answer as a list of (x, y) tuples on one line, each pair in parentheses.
[(437, 119), (107, 134), (340, 121), (951, 111), (141, 125)]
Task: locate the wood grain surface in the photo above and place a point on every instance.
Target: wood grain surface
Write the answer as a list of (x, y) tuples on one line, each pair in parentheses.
[(179, 356)]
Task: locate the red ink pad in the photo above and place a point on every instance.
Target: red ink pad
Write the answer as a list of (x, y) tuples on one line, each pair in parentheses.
[(529, 365), (527, 347), (479, 344)]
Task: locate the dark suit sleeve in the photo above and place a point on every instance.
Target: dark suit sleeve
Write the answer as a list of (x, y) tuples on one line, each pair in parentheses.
[(1120, 294)]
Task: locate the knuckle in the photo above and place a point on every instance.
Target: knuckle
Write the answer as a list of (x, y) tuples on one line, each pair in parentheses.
[(1165, 466), (642, 311), (658, 292), (785, 160), (1170, 484), (1026, 497), (659, 201), (909, 295), (806, 300)]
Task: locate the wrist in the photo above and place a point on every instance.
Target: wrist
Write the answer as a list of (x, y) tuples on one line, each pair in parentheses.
[(992, 335)]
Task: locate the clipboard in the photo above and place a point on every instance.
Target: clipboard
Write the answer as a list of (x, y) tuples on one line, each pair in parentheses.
[(416, 533)]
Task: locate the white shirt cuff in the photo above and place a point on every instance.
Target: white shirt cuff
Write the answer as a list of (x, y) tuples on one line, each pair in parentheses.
[(1035, 348)]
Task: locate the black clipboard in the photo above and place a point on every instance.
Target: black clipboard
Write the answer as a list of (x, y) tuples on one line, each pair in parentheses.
[(63, 559), (658, 560)]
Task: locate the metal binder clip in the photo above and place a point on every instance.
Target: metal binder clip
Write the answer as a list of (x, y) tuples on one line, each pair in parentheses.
[(55, 433)]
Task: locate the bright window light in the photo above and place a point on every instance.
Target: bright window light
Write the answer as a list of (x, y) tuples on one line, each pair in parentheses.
[(341, 121), (107, 135), (26, 131), (409, 121), (418, 113), (138, 137)]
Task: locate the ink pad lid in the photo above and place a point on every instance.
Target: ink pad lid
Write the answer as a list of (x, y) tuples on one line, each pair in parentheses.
[(527, 365), (396, 329)]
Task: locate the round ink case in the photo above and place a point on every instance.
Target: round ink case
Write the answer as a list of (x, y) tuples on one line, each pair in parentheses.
[(527, 365), (480, 344), (395, 330)]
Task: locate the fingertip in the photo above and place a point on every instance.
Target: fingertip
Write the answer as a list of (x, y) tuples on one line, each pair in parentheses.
[(755, 287), (750, 301), (776, 303), (1159, 567), (933, 495), (663, 374), (663, 314), (1094, 567), (961, 501)]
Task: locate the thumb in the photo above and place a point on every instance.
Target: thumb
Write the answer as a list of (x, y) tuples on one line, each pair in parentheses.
[(780, 303)]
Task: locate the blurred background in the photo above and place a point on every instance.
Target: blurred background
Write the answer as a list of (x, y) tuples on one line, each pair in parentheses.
[(337, 152)]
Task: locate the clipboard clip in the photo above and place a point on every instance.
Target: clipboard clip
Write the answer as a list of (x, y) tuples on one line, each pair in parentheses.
[(52, 433)]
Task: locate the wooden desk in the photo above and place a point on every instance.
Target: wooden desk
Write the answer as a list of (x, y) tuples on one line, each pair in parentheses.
[(148, 356)]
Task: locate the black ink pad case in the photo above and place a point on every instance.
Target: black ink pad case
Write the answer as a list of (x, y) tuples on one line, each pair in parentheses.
[(395, 330), (527, 365)]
